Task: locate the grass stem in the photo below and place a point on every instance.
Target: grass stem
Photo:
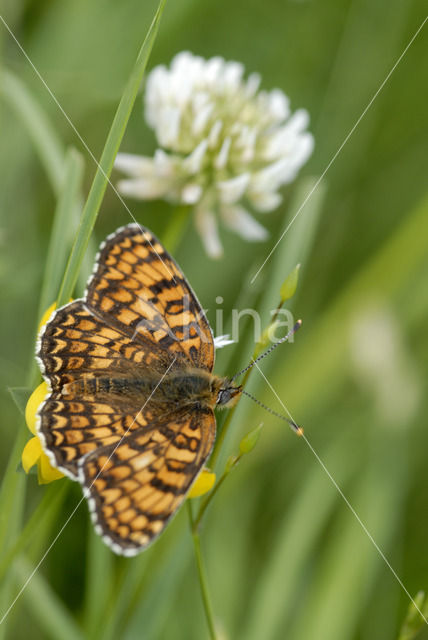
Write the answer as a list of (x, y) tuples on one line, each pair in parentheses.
[(203, 583)]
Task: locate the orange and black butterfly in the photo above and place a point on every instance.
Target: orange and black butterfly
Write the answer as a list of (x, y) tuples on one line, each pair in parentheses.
[(131, 391)]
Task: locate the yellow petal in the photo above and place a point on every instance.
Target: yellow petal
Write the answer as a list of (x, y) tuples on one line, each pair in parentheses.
[(204, 483), (34, 401), (46, 472), (47, 314), (31, 453)]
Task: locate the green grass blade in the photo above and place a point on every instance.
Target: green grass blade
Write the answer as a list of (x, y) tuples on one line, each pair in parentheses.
[(274, 597), (294, 248), (12, 499), (46, 142), (101, 180), (12, 487), (413, 622), (62, 228), (12, 493), (20, 397), (321, 354), (150, 613), (350, 564), (99, 583), (136, 603), (49, 503), (176, 228), (296, 245), (14, 484), (66, 203), (54, 619)]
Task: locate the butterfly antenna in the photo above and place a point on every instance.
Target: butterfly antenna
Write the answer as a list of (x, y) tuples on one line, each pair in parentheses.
[(292, 424), (271, 348)]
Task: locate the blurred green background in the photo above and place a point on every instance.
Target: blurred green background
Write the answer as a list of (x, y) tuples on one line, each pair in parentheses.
[(285, 556)]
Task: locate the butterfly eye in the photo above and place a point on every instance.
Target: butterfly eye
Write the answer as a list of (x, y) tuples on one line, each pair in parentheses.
[(229, 395), (224, 396)]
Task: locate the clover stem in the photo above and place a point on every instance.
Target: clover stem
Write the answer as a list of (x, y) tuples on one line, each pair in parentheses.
[(176, 228)]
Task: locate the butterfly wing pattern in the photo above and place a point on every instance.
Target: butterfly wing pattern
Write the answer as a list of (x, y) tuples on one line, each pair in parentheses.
[(126, 366), (139, 485)]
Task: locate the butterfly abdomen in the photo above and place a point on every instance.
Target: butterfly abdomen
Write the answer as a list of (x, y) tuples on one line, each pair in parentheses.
[(182, 388), (122, 385)]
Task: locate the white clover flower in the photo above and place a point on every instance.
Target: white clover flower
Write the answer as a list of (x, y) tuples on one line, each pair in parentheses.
[(223, 341), (226, 146)]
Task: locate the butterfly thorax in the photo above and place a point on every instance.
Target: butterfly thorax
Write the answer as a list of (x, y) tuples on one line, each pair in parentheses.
[(199, 386), (178, 388)]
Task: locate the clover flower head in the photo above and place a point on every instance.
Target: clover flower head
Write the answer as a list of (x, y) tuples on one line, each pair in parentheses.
[(225, 146)]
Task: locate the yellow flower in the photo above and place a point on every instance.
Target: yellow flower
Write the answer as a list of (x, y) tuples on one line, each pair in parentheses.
[(33, 452), (34, 401), (204, 483), (47, 314)]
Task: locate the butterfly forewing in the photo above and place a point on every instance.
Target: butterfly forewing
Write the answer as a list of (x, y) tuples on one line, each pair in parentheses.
[(77, 342), (138, 288)]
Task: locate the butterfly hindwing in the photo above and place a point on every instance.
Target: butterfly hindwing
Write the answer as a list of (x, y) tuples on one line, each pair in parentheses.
[(136, 487), (71, 427)]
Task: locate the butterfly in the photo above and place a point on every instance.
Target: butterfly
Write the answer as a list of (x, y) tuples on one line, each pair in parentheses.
[(130, 409)]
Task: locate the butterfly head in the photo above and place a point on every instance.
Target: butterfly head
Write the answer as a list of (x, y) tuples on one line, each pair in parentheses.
[(227, 393)]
